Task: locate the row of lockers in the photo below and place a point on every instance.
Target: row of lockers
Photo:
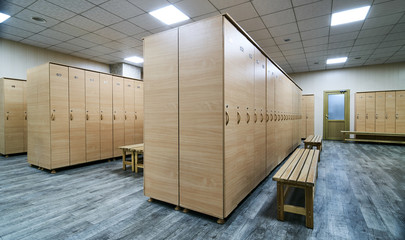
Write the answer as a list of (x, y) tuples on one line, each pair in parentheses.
[(307, 113), (382, 111), (231, 116), (77, 115)]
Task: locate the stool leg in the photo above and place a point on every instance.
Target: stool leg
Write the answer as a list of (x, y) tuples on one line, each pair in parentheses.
[(309, 206), (123, 160), (136, 162), (280, 201), (133, 161)]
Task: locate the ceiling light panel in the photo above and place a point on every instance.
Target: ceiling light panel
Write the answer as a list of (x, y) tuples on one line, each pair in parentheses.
[(169, 15), (3, 17), (352, 15), (336, 60), (134, 59)]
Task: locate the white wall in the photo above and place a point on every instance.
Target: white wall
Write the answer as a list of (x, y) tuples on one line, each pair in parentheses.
[(16, 58), (131, 71), (359, 79)]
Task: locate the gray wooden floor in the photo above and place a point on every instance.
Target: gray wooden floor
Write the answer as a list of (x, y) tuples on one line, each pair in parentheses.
[(360, 194)]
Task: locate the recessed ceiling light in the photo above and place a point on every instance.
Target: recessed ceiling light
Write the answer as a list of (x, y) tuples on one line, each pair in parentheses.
[(134, 59), (287, 40), (39, 19), (169, 15), (316, 62), (336, 60), (352, 15), (3, 17), (357, 58)]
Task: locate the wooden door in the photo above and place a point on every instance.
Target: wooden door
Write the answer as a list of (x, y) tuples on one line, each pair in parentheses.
[(271, 160), (390, 112), (138, 112), (370, 112), (161, 117), (400, 112), (92, 116), (59, 103), (360, 112), (118, 115), (310, 111), (380, 111), (129, 111), (14, 116), (258, 120), (106, 118), (303, 120), (77, 135), (25, 117), (336, 112)]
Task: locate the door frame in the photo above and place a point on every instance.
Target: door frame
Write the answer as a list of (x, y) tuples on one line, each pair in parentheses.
[(325, 109)]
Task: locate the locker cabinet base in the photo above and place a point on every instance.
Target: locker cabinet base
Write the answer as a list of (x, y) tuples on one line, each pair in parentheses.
[(177, 208), (221, 221)]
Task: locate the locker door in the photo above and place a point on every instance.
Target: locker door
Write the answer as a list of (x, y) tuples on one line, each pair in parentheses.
[(138, 112), (400, 112), (303, 120), (118, 115), (59, 97), (14, 116), (25, 117), (106, 122), (92, 116), (360, 112), (390, 112), (258, 120), (270, 118), (310, 105), (77, 121), (370, 112), (380, 111), (129, 111)]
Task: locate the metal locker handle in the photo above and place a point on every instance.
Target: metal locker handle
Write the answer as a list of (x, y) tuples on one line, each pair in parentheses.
[(261, 114), (136, 117), (71, 117), (267, 117), (101, 116), (386, 116), (366, 115), (87, 116), (114, 116), (227, 118), (255, 118), (7, 115), (357, 116), (125, 116), (397, 116), (25, 115), (248, 118), (376, 116), (272, 117), (53, 117), (238, 117)]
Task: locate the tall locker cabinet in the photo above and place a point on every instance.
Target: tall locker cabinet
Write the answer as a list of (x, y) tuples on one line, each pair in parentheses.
[(370, 112), (271, 158), (139, 112), (92, 116), (400, 112), (106, 117), (307, 119), (13, 116), (129, 111), (380, 111), (118, 115), (212, 152), (390, 112), (360, 112)]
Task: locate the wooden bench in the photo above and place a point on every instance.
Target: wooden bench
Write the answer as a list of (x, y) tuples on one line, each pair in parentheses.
[(313, 141), (134, 150), (376, 137), (299, 171)]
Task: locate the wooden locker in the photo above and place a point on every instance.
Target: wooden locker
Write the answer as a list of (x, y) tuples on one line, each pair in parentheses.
[(270, 119), (77, 133), (59, 103), (303, 120), (310, 105), (370, 112), (138, 112), (360, 112), (106, 118), (25, 118), (118, 115), (390, 112), (400, 112), (380, 111), (129, 111), (2, 117), (92, 116), (161, 117)]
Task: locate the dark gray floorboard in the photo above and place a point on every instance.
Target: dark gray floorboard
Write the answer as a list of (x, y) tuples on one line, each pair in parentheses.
[(360, 194)]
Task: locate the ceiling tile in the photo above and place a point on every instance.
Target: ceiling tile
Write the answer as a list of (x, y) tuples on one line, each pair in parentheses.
[(101, 16), (43, 39), (343, 5), (344, 28), (141, 35), (221, 4), (382, 21), (130, 41), (315, 42), (95, 38), (194, 8), (277, 55), (252, 24), (293, 52), (15, 31), (97, 2), (127, 28), (22, 3), (56, 35), (241, 12), (147, 22), (84, 23), (69, 46), (297, 3), (121, 8), (283, 30), (34, 43), (102, 49), (316, 48), (279, 18), (314, 23), (28, 14), (268, 42), (117, 45), (290, 46), (361, 54), (18, 23), (313, 10), (377, 60), (272, 49), (161, 29), (395, 36), (398, 28), (341, 44), (82, 55), (264, 7), (316, 54), (82, 43), (216, 13), (399, 42), (295, 37), (362, 41), (386, 51), (337, 52), (386, 8), (60, 49), (364, 47), (149, 5), (343, 37), (110, 33), (51, 10), (9, 8), (69, 29), (76, 6), (11, 37), (91, 52), (259, 34), (375, 31), (316, 33)]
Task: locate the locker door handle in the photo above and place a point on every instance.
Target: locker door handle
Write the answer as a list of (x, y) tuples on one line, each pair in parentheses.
[(125, 116), (136, 117), (238, 117), (7, 115), (386, 116), (261, 120), (396, 116), (272, 117), (101, 116), (255, 117), (25, 115), (53, 117), (248, 118), (71, 117), (114, 116), (87, 116), (357, 116), (366, 115), (376, 116), (227, 118), (267, 117)]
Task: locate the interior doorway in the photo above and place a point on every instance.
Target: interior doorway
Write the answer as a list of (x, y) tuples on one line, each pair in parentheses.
[(336, 114)]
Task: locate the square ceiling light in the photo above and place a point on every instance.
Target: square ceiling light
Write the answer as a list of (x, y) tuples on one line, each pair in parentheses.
[(352, 15), (134, 59), (3, 17), (336, 60), (169, 15)]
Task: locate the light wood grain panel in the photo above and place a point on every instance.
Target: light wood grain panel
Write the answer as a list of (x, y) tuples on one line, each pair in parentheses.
[(129, 111), (303, 120), (360, 112), (370, 112), (310, 111), (77, 130), (59, 103), (400, 112), (92, 116), (380, 111), (25, 117), (139, 111), (271, 160), (106, 118), (390, 112), (161, 116), (201, 117), (2, 117), (118, 115)]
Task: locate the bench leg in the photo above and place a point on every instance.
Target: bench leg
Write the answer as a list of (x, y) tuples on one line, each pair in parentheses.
[(136, 162), (280, 201), (309, 206), (123, 161), (133, 161)]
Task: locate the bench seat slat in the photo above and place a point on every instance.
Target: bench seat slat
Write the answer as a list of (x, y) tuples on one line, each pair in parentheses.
[(287, 164), (297, 170), (286, 175), (304, 172), (309, 138), (313, 169)]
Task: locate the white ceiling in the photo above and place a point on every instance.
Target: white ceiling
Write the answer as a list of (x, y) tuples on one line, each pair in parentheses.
[(110, 30)]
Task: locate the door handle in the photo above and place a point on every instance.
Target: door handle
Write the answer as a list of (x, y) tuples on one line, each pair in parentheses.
[(25, 115), (357, 116), (238, 117), (101, 116), (7, 115), (255, 117), (114, 116), (125, 117), (396, 116), (71, 117), (53, 117), (386, 116), (326, 116), (247, 118), (267, 117), (136, 117), (366, 115), (376, 116), (227, 118), (262, 118), (87, 116)]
